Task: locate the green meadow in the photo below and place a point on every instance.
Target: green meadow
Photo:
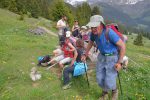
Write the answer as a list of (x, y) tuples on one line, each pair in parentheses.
[(19, 50)]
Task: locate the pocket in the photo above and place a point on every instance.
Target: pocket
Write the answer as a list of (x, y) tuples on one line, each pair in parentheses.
[(112, 59), (115, 59), (100, 58)]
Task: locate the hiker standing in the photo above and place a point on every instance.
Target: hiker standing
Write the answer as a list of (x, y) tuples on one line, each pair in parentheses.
[(109, 59), (62, 27), (76, 29)]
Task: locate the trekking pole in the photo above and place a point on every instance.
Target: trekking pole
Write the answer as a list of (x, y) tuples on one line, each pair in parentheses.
[(86, 74), (52, 66), (119, 83)]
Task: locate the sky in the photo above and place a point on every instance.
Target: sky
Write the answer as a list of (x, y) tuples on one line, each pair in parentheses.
[(78, 0), (72, 2)]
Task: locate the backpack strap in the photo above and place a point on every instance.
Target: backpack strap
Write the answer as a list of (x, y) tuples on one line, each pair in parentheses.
[(107, 34)]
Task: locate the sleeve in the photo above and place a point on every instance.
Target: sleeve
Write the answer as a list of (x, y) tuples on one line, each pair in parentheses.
[(58, 23), (92, 37), (114, 38)]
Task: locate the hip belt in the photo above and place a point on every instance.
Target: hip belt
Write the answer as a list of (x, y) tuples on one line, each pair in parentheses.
[(109, 54)]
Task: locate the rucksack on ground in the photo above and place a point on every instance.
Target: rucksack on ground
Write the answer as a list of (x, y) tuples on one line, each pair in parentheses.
[(43, 59)]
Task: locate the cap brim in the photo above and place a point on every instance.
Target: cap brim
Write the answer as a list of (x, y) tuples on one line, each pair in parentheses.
[(93, 24), (67, 36)]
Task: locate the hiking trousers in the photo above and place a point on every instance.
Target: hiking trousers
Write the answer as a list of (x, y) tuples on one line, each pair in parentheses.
[(105, 72), (66, 72)]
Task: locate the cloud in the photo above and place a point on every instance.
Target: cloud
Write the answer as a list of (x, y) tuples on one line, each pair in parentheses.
[(73, 2)]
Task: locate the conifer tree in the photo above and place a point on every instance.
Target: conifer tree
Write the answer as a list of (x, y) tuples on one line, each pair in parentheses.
[(83, 13), (59, 9), (96, 11), (13, 6), (4, 3), (138, 41)]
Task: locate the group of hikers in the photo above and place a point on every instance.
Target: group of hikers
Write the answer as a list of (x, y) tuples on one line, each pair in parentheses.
[(77, 31), (73, 52)]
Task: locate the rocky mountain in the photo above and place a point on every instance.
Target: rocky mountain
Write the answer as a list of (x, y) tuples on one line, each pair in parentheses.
[(129, 12), (118, 2), (115, 14), (136, 15)]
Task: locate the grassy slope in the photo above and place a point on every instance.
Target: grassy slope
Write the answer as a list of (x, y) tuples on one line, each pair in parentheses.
[(19, 49)]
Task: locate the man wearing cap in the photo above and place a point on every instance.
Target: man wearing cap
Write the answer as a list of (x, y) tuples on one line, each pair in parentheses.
[(109, 59)]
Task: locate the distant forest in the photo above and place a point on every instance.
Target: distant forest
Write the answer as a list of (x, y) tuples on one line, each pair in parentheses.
[(54, 9)]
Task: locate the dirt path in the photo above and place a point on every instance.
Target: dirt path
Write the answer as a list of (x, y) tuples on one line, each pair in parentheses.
[(48, 31)]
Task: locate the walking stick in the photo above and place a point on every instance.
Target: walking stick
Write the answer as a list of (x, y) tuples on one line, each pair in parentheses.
[(119, 83), (86, 74), (52, 66)]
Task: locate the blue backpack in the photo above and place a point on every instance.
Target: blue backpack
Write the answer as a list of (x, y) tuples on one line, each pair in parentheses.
[(79, 68)]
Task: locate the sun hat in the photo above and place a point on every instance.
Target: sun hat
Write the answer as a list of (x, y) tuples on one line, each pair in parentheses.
[(84, 27), (95, 21)]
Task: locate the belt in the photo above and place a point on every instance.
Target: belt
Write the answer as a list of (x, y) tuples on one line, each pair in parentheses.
[(109, 54)]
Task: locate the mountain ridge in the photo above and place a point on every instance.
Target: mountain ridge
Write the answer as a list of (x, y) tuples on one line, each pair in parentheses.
[(127, 12)]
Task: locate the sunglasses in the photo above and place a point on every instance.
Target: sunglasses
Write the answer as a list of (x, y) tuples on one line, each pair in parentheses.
[(93, 27)]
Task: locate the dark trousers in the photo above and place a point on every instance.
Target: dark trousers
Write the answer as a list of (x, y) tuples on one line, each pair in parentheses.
[(66, 72), (61, 39)]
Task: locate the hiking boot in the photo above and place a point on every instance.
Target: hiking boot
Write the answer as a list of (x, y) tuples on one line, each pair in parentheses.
[(67, 86), (44, 64), (104, 96), (115, 94)]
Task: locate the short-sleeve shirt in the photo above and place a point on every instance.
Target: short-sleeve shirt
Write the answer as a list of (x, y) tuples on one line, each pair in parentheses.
[(106, 46), (80, 52), (61, 23)]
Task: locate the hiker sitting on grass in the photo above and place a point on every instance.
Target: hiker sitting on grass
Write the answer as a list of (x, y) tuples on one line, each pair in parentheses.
[(67, 48), (76, 60), (84, 33), (71, 38), (58, 51)]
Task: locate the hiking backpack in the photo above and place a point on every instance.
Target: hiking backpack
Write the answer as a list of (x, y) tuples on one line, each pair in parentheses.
[(43, 59), (115, 29)]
